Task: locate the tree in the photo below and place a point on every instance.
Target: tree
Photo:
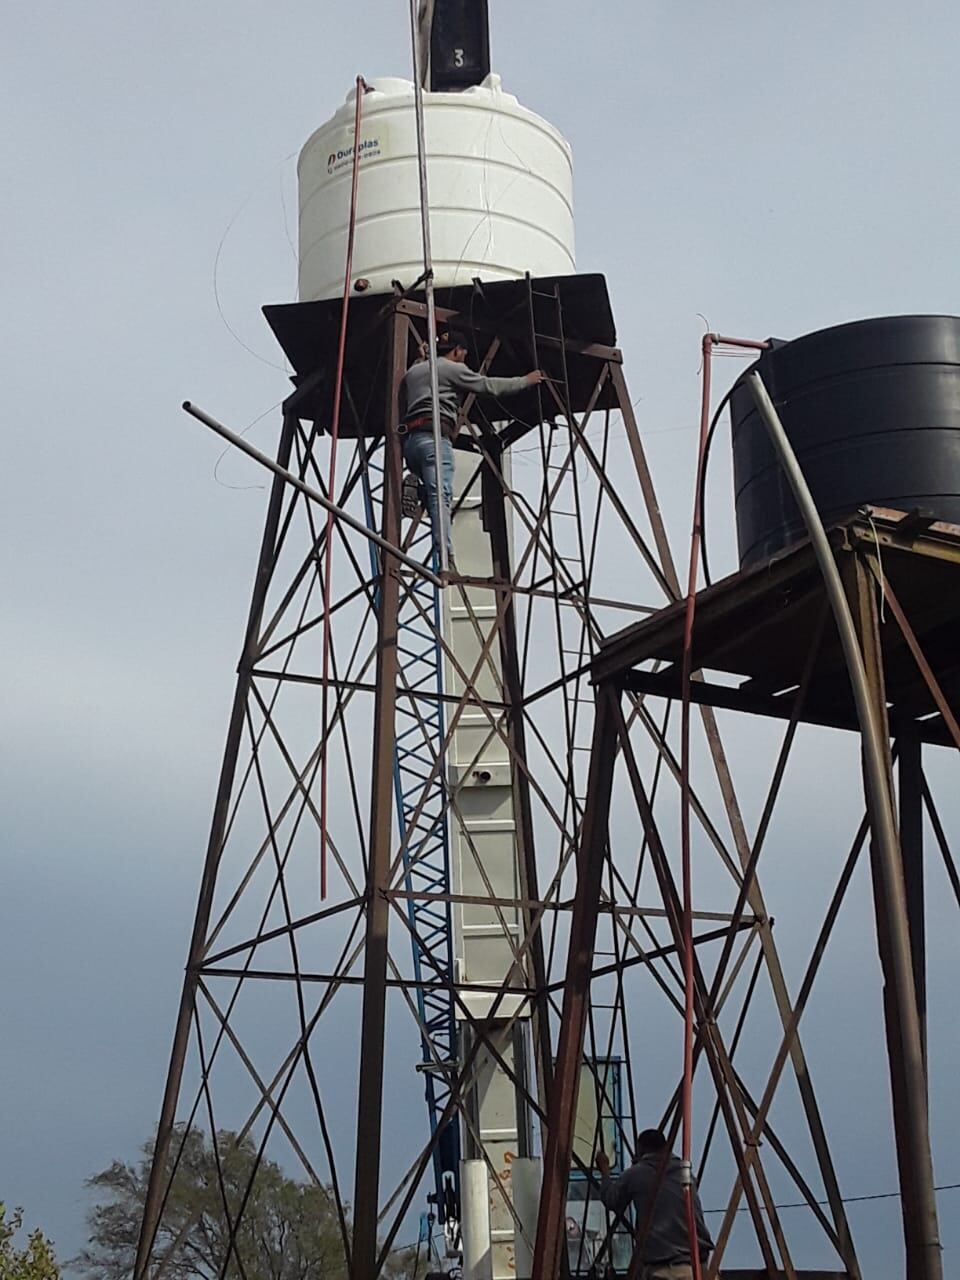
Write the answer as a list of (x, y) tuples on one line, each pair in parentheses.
[(289, 1230), (35, 1262)]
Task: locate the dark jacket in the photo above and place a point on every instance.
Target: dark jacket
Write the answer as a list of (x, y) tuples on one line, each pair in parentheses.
[(667, 1239)]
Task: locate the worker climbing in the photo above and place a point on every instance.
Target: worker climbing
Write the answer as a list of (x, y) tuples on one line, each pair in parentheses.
[(454, 381), (654, 1184)]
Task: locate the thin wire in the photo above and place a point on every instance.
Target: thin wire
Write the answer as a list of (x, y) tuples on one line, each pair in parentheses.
[(805, 1204), (249, 427), (286, 224), (216, 266)]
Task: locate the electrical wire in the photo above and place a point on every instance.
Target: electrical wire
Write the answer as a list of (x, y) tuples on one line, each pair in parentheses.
[(249, 427), (805, 1204), (272, 364)]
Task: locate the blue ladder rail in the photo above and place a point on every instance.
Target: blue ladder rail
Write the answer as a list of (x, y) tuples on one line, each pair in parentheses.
[(424, 834)]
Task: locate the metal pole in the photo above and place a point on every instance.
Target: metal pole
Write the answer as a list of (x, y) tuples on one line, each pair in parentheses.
[(373, 1017), (551, 1243), (925, 1262), (910, 778), (444, 521), (314, 494), (155, 1187)]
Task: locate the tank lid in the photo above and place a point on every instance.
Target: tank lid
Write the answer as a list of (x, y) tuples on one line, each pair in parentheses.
[(398, 87)]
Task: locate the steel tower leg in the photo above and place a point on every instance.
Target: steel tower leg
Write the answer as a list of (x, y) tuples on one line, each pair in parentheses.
[(904, 1044), (373, 1018), (910, 778), (591, 859), (155, 1188)]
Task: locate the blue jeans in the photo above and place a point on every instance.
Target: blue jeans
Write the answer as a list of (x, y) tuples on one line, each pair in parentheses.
[(420, 456)]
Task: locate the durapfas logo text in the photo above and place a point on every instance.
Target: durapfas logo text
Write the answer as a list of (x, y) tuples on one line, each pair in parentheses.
[(337, 159)]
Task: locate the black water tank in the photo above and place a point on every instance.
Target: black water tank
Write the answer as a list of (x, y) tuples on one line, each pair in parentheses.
[(873, 412)]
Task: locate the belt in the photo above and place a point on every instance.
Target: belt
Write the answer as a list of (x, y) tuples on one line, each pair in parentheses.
[(425, 420)]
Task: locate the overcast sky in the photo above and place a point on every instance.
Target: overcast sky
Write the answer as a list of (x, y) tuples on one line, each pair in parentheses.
[(772, 167)]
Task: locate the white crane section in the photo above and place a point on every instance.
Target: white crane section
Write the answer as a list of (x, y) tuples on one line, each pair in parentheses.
[(484, 857)]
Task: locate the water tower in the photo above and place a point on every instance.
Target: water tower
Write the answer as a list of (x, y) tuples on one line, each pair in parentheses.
[(442, 756)]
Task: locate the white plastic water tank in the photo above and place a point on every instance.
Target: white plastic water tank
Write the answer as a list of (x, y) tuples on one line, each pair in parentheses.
[(500, 186)]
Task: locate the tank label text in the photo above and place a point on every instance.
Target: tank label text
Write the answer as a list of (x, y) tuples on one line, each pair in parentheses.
[(372, 147)]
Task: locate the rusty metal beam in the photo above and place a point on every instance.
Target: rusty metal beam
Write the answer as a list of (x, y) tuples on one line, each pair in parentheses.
[(904, 1049), (591, 856), (155, 1188), (373, 1016)]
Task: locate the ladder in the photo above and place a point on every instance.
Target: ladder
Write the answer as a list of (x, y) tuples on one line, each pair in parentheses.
[(574, 644), (421, 805)]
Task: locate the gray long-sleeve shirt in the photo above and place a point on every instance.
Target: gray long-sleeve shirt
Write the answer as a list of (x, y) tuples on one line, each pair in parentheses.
[(668, 1239), (455, 381)]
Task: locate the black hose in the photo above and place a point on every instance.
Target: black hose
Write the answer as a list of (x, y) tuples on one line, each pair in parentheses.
[(703, 482)]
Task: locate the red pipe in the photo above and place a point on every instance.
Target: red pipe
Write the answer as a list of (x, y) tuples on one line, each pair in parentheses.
[(334, 436), (710, 340)]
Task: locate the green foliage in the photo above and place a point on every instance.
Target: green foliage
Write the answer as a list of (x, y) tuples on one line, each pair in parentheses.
[(288, 1230), (35, 1262)]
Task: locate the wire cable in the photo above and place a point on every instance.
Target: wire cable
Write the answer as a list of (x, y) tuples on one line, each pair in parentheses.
[(702, 493), (805, 1204), (272, 364), (334, 436), (248, 428)]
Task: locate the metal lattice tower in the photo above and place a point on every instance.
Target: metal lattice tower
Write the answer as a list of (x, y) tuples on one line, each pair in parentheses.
[(301, 1020)]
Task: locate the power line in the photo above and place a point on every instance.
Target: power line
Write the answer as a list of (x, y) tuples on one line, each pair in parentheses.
[(805, 1204)]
